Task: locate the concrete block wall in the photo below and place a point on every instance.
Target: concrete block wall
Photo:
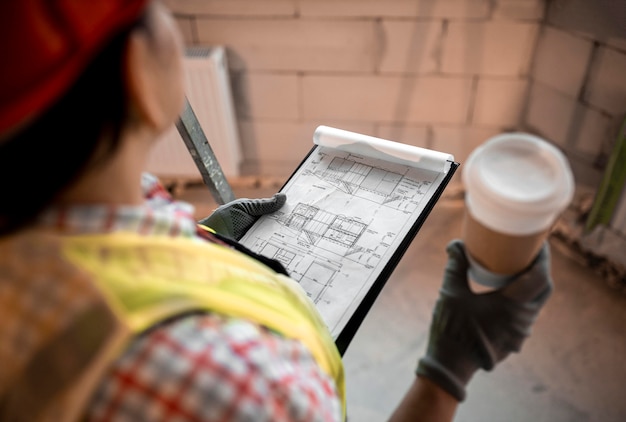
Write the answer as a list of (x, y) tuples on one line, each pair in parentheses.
[(577, 99), (442, 74)]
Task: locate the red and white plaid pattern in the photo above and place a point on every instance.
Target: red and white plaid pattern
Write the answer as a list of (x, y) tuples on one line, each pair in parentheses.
[(201, 367), (210, 368)]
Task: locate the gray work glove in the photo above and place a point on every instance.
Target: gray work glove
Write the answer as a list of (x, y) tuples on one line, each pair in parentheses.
[(236, 217), (477, 330)]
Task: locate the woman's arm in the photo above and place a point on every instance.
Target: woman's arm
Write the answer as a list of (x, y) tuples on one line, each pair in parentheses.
[(425, 401)]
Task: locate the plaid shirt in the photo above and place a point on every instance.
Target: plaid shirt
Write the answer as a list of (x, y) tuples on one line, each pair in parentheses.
[(201, 367)]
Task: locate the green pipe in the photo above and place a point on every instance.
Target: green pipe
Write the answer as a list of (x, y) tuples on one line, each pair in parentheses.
[(612, 185)]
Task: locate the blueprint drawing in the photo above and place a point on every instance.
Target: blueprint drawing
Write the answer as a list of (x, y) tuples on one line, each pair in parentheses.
[(345, 216)]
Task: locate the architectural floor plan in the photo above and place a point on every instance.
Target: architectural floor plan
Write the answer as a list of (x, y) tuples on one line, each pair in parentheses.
[(345, 216)]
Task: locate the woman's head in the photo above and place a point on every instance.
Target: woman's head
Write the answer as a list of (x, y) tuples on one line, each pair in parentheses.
[(109, 71)]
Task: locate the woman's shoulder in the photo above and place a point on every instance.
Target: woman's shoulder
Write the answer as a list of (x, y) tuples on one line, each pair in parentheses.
[(211, 367)]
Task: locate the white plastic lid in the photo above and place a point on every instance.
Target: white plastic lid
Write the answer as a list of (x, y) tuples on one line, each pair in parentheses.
[(517, 183)]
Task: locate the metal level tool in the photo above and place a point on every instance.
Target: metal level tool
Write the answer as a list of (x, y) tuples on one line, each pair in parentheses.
[(212, 174)]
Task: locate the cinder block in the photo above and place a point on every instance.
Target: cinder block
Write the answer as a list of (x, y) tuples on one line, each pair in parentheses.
[(617, 43), (233, 7), (592, 131), (267, 95), (418, 136), (596, 19), (519, 9), (275, 148), (293, 44), (275, 170), (185, 25), (386, 99), (561, 60), (460, 140), (495, 48), (473, 9), (550, 113), (607, 83), (499, 102), (411, 46)]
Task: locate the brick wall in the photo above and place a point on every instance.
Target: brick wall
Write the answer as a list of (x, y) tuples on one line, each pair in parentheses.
[(577, 96), (577, 99), (443, 74)]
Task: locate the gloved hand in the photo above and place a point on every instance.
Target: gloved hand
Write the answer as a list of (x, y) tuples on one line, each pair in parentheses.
[(477, 330), (235, 218)]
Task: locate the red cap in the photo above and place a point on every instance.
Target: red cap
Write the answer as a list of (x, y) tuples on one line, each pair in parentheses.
[(46, 44)]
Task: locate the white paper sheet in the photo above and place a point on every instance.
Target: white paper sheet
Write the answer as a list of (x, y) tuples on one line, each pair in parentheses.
[(346, 213), (371, 146)]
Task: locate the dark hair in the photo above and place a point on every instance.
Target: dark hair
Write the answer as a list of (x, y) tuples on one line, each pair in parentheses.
[(81, 130)]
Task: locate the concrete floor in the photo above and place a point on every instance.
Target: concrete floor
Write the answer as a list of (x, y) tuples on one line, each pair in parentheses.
[(572, 368)]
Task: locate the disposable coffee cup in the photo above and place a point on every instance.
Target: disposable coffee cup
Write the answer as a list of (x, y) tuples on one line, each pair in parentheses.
[(517, 185)]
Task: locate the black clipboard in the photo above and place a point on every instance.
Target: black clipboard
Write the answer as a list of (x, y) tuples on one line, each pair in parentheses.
[(346, 334)]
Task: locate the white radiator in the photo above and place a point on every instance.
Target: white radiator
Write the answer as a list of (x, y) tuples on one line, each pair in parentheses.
[(207, 86)]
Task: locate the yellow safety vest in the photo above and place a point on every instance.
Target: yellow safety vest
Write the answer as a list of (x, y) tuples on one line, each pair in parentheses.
[(119, 285)]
